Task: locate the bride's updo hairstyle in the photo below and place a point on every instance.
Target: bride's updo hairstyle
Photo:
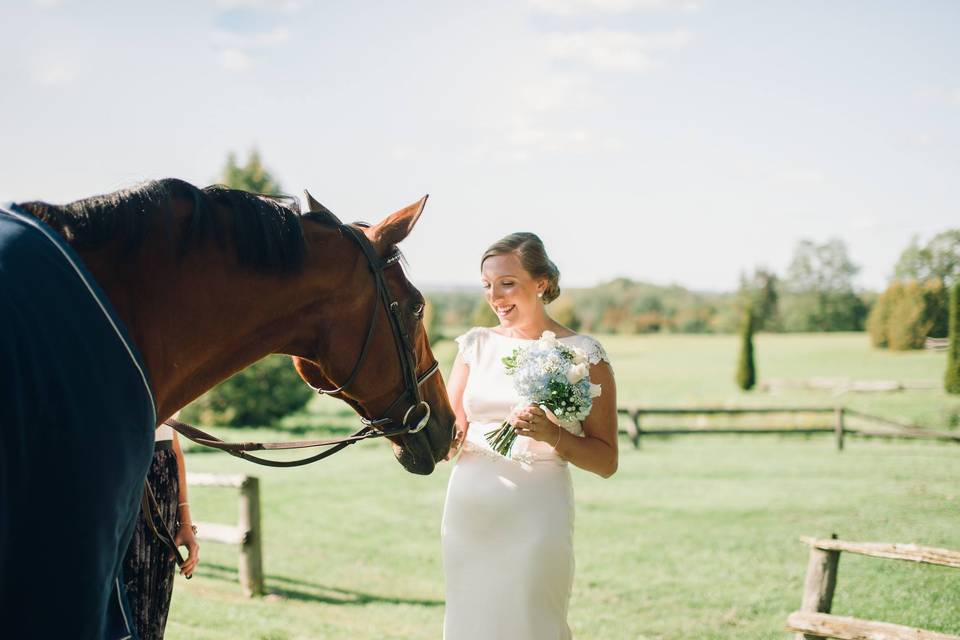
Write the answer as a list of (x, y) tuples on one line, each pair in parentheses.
[(533, 257)]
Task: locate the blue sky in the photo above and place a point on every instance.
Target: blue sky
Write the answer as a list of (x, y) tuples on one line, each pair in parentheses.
[(663, 140)]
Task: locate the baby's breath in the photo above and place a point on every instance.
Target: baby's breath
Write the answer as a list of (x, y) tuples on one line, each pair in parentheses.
[(551, 374)]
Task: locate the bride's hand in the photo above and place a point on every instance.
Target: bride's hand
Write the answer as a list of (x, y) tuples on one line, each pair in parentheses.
[(456, 443), (534, 423)]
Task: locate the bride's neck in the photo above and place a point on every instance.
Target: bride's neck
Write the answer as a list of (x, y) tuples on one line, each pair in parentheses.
[(533, 328)]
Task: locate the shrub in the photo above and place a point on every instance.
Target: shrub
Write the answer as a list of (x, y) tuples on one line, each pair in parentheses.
[(906, 313), (261, 394), (563, 311), (879, 319), (746, 370), (951, 379)]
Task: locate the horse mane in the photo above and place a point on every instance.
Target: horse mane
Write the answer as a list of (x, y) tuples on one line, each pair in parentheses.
[(266, 229)]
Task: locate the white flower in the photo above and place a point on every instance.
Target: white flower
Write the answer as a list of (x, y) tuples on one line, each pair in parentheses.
[(577, 372), (594, 390), (548, 340), (579, 355)]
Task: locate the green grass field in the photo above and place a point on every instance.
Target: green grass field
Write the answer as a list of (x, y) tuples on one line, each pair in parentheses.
[(695, 537)]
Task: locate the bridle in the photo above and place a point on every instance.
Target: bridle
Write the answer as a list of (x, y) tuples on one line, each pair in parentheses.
[(401, 338), (372, 427)]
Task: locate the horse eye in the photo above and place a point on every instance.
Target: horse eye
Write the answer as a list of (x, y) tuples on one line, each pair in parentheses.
[(418, 311)]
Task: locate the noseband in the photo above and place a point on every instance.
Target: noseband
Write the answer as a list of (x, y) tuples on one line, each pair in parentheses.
[(372, 427)]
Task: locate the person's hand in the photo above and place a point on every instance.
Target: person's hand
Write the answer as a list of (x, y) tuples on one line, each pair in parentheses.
[(459, 435), (186, 538), (534, 422)]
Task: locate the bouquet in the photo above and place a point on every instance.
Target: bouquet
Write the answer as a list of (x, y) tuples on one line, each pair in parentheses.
[(552, 375)]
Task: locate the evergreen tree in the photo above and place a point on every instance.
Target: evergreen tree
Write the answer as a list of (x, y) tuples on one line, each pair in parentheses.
[(269, 389), (939, 259), (746, 370), (252, 176), (951, 380), (761, 291), (819, 290)]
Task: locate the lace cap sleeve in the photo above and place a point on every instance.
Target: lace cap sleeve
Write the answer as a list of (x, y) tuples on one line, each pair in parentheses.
[(595, 350), (467, 345)]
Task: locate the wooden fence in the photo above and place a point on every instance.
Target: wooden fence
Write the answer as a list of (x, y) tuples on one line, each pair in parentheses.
[(846, 385), (835, 422), (246, 532), (815, 622)]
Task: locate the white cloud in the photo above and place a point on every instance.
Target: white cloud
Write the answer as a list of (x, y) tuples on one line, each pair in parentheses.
[(287, 6), (522, 138), (799, 177), (559, 92), (47, 4), (613, 49), (523, 141), (234, 48), (548, 112), (571, 7), (938, 95), (239, 40), (864, 222), (234, 59), (403, 153), (54, 74)]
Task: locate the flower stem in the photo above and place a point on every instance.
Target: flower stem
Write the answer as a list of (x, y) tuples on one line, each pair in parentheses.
[(501, 440)]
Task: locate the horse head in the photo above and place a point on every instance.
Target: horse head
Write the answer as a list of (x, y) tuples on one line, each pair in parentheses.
[(373, 352)]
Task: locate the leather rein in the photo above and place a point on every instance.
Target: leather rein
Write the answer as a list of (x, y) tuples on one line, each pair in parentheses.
[(372, 427)]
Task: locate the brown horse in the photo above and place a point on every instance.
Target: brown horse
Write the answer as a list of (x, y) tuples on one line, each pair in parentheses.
[(206, 282)]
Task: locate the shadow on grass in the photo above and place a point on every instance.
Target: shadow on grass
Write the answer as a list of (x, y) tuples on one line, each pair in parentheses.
[(297, 589)]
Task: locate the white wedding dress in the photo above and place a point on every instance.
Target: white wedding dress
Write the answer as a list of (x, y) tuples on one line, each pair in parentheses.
[(507, 526)]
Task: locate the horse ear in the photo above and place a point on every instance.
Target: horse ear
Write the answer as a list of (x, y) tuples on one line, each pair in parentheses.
[(313, 205), (397, 226)]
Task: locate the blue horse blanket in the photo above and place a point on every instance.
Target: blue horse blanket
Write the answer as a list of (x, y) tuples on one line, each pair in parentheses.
[(77, 419)]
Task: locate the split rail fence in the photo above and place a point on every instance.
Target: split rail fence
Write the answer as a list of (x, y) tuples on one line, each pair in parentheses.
[(246, 533), (835, 422), (815, 622)]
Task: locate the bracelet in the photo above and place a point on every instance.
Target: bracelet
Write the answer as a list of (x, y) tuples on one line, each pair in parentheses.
[(192, 526), (183, 504), (559, 435)]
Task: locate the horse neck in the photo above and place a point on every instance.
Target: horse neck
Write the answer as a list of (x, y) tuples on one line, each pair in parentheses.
[(199, 319)]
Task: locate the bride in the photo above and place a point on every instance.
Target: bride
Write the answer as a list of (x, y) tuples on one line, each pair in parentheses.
[(508, 523)]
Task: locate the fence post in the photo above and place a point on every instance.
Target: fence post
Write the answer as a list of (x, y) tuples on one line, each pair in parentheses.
[(636, 426), (838, 427), (819, 584), (251, 563)]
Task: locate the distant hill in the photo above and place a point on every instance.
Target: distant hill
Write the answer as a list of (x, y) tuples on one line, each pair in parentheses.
[(619, 306)]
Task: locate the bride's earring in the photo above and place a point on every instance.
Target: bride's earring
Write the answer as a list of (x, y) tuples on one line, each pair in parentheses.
[(540, 295)]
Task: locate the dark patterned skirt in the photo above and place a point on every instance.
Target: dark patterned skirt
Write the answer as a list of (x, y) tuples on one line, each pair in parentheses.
[(149, 567)]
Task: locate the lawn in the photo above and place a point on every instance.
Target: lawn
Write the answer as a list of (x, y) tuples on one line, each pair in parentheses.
[(695, 537)]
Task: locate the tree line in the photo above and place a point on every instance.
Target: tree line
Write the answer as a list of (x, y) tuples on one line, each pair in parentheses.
[(816, 293)]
